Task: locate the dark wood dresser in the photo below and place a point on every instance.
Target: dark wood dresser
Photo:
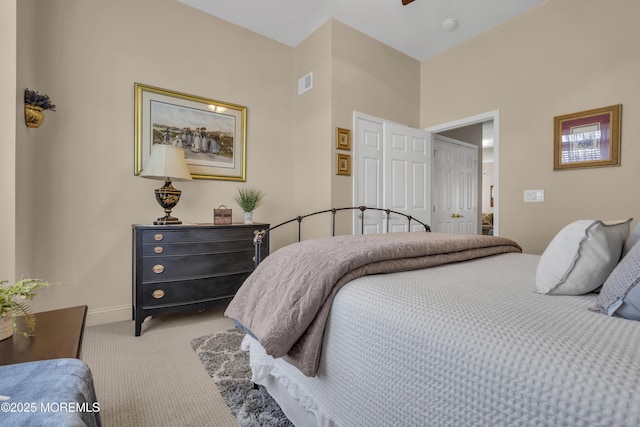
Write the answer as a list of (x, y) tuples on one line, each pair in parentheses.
[(190, 267)]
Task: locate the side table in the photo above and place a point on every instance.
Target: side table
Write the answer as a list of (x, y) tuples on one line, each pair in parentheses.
[(58, 334)]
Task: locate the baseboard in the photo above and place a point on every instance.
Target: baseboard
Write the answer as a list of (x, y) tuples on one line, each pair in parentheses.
[(108, 315)]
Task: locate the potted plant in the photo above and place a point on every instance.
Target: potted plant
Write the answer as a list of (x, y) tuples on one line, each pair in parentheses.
[(13, 303), (34, 104), (248, 199)]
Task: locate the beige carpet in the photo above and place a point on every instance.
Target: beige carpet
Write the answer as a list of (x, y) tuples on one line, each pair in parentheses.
[(156, 379)]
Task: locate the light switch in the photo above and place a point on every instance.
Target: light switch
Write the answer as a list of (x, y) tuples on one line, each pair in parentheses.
[(533, 196)]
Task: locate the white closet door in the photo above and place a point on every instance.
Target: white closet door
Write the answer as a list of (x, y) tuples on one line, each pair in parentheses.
[(392, 168), (368, 170), (455, 187), (407, 173)]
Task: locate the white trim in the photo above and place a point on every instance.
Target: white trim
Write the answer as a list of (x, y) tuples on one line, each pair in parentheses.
[(490, 115), (110, 315), (479, 118)]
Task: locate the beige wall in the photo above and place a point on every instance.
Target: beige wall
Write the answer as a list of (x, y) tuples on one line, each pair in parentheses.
[(74, 189), (8, 108), (78, 195), (27, 146), (352, 72), (563, 57), (85, 196), (312, 149), (371, 78)]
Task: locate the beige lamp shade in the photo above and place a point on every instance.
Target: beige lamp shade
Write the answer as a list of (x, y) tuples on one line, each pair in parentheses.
[(165, 162)]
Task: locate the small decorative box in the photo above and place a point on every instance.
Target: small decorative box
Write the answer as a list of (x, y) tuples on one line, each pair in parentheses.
[(222, 215)]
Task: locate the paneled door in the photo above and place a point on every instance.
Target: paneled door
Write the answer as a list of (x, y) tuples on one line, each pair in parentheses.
[(392, 170), (407, 166), (455, 186), (369, 178)]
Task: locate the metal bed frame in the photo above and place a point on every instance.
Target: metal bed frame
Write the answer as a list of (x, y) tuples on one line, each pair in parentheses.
[(260, 234)]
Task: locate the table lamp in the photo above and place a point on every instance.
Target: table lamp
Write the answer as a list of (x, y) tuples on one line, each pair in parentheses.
[(167, 162)]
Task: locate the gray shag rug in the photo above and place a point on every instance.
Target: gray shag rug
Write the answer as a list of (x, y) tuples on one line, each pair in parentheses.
[(228, 365)]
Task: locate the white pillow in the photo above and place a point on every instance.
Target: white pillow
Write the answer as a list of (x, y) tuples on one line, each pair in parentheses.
[(620, 294), (581, 256)]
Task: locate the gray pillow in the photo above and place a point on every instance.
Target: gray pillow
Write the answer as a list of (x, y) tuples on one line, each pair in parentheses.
[(581, 257), (632, 240), (619, 294)]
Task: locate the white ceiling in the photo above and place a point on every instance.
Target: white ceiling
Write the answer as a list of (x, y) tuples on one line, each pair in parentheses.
[(416, 29)]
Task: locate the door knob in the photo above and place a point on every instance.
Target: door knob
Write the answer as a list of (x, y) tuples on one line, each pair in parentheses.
[(455, 215)]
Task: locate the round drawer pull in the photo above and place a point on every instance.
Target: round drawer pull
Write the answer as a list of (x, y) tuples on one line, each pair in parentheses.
[(158, 237), (158, 268), (158, 249), (158, 293)]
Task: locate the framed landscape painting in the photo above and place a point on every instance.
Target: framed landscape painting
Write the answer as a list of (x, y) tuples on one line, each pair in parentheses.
[(211, 133), (587, 139)]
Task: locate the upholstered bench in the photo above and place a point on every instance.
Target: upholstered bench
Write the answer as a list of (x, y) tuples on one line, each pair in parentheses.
[(56, 392)]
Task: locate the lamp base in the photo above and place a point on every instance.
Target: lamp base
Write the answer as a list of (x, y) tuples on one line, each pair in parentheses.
[(168, 197), (167, 220)]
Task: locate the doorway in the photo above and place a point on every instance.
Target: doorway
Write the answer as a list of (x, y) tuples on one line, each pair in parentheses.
[(369, 170), (454, 186), (488, 159)]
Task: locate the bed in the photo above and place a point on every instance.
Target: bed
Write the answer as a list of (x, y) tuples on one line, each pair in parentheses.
[(472, 342)]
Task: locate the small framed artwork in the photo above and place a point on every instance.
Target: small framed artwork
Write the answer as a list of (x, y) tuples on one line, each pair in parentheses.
[(211, 133), (587, 139), (343, 139), (343, 164)]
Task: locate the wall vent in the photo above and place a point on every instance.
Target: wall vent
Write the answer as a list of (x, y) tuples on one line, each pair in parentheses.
[(305, 83)]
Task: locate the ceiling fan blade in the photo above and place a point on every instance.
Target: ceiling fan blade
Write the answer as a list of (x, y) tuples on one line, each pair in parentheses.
[(406, 2)]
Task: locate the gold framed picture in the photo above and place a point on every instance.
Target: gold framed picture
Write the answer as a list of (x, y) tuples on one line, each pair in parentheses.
[(587, 139), (211, 133), (343, 139), (343, 164)]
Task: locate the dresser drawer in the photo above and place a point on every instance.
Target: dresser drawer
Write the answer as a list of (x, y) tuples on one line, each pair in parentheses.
[(198, 235), (191, 291), (164, 249), (159, 269)]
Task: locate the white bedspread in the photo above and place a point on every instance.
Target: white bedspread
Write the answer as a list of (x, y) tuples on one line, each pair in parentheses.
[(468, 344)]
